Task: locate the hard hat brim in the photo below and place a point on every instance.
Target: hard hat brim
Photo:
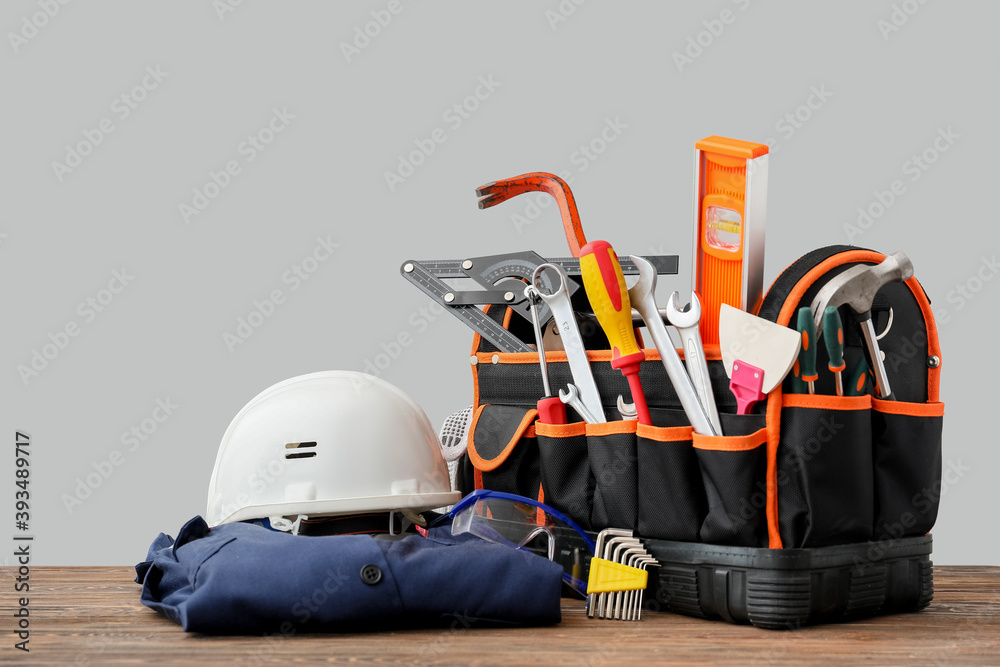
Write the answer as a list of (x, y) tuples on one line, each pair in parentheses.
[(314, 508)]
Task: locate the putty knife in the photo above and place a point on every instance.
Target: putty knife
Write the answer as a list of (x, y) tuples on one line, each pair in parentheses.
[(757, 354)]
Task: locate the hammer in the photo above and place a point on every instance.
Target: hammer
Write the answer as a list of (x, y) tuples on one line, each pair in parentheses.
[(857, 287)]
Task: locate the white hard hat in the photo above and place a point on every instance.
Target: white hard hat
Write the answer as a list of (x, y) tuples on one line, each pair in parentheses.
[(336, 442)]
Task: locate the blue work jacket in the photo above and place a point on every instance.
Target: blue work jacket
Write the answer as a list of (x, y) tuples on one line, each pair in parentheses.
[(246, 579)]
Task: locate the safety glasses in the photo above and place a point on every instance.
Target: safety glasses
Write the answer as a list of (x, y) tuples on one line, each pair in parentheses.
[(528, 525)]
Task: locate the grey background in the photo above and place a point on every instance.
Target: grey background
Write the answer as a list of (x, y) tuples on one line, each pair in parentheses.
[(323, 176)]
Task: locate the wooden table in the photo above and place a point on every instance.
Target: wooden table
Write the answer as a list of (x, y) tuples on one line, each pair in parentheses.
[(92, 616)]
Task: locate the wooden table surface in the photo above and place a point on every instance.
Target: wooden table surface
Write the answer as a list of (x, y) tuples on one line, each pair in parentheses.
[(92, 616)]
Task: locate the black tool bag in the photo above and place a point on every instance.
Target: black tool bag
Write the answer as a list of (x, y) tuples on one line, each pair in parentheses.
[(846, 487)]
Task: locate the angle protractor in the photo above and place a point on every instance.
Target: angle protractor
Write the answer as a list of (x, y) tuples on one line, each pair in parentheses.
[(463, 304), (492, 271), (665, 265)]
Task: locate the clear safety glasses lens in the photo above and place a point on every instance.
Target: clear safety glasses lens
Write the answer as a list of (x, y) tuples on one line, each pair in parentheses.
[(526, 524)]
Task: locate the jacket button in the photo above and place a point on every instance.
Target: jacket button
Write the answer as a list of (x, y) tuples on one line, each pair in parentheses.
[(371, 574)]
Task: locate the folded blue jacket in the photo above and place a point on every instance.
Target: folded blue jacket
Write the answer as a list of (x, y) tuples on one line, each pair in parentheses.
[(246, 579)]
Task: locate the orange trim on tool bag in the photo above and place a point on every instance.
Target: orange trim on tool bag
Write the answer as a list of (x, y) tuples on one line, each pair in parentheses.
[(664, 433), (478, 462), (476, 341), (475, 386), (519, 357), (730, 443), (773, 426), (506, 318), (470, 446), (933, 344), (530, 431), (476, 338), (774, 402), (612, 428), (929, 409), (554, 356), (825, 402), (560, 430), (791, 304), (477, 478)]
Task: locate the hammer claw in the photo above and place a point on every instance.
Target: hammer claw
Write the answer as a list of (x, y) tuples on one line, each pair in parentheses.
[(856, 287)]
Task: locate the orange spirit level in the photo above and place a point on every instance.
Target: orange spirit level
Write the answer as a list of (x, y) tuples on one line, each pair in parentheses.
[(730, 204)]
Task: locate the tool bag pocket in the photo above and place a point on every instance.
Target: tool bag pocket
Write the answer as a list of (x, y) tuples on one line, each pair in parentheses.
[(733, 471), (567, 482), (825, 481), (611, 448), (907, 458), (503, 449), (672, 503)]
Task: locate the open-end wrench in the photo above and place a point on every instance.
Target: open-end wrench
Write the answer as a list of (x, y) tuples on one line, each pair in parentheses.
[(627, 410), (687, 321), (562, 311), (571, 397), (641, 296), (551, 410)]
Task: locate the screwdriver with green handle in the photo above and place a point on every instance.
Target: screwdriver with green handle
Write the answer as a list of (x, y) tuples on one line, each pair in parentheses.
[(605, 285), (807, 352), (798, 386), (833, 335), (857, 385)]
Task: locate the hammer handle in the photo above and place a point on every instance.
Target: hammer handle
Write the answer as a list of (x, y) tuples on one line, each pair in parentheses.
[(881, 379)]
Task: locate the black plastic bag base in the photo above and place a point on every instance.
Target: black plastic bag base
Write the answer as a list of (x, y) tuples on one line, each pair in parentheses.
[(783, 589)]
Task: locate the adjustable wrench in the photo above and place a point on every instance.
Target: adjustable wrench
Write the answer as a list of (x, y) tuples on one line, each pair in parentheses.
[(641, 296), (562, 311), (687, 321)]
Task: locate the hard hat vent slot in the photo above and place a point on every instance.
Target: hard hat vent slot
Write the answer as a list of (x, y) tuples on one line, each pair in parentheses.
[(295, 448)]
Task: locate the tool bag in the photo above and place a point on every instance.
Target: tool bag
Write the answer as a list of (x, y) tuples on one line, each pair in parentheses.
[(801, 472)]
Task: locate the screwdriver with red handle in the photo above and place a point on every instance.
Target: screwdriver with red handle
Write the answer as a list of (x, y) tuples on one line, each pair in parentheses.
[(605, 285)]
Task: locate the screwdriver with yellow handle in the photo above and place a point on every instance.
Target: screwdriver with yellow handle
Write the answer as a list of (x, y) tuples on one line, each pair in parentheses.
[(605, 285)]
